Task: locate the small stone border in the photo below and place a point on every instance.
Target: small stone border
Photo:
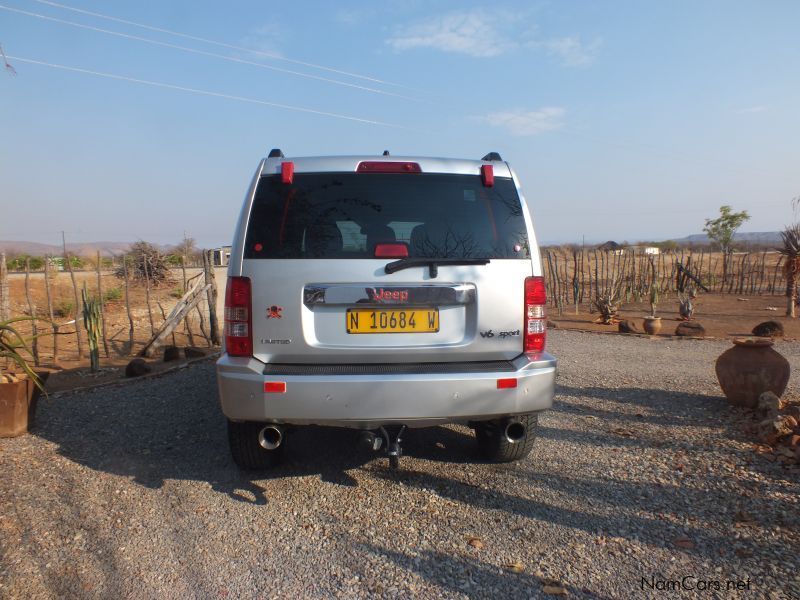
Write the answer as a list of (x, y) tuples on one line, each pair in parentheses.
[(129, 380), (661, 337)]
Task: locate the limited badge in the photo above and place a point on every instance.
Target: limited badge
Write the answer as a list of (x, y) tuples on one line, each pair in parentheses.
[(274, 312)]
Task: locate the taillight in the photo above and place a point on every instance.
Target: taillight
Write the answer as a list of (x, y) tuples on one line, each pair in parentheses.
[(393, 250), (487, 175), (382, 166), (287, 172), (535, 330), (238, 317)]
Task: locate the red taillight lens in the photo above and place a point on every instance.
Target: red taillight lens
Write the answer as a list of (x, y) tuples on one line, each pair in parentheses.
[(506, 384), (487, 174), (287, 172), (238, 317), (275, 387), (382, 166), (395, 250), (535, 329)]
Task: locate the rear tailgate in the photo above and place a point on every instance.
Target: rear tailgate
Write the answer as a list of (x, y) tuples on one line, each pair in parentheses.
[(319, 294), (350, 311)]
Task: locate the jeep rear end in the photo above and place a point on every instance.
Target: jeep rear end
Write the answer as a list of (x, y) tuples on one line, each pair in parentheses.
[(380, 293)]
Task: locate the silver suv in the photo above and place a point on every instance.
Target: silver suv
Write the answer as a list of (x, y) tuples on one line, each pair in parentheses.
[(382, 293)]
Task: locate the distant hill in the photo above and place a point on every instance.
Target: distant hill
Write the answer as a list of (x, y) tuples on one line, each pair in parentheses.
[(79, 249), (753, 237), (763, 238)]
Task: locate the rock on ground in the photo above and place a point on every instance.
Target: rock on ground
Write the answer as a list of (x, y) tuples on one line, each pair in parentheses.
[(690, 329)]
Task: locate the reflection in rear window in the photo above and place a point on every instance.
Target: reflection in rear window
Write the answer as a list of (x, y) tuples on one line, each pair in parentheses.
[(344, 215)]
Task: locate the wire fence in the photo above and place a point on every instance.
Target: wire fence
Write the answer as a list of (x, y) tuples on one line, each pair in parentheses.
[(132, 310), (579, 276)]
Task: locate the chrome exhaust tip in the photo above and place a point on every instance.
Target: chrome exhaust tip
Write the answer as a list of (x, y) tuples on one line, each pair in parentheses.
[(270, 437), (515, 432)]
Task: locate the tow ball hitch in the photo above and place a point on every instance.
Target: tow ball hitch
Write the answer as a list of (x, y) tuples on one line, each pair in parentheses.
[(393, 448)]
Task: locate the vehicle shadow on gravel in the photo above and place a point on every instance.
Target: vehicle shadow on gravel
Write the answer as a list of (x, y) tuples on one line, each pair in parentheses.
[(451, 444), (652, 407), (652, 527), (661, 407), (330, 452), (171, 428)]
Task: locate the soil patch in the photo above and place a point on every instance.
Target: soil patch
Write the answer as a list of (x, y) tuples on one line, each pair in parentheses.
[(721, 315)]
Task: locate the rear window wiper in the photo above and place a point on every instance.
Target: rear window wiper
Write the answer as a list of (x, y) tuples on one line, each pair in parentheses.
[(431, 263)]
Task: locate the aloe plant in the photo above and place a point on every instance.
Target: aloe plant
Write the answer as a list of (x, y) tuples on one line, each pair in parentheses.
[(91, 322), (791, 252), (14, 348)]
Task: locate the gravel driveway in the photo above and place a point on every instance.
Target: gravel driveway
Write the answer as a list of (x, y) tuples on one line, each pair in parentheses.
[(641, 476)]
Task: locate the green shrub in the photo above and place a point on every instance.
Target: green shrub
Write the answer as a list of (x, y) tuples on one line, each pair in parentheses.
[(63, 309), (17, 263), (177, 293), (112, 295)]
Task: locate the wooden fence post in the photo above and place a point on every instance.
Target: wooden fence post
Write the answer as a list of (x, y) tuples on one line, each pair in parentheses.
[(145, 262), (575, 284), (5, 310), (77, 307), (211, 294), (186, 327), (50, 307), (128, 303), (181, 309), (202, 324), (32, 311), (102, 302)]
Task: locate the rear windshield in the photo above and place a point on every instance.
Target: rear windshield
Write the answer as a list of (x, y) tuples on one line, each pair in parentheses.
[(344, 215)]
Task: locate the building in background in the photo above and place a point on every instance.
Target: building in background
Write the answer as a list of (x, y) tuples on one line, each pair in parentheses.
[(220, 256)]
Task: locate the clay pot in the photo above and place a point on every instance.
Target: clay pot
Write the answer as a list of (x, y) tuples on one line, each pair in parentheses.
[(652, 325), (15, 405), (751, 368), (18, 402)]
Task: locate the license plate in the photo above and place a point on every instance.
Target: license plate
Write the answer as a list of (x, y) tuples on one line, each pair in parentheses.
[(367, 320)]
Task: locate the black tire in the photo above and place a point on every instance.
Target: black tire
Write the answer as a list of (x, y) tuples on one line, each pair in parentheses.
[(493, 444), (394, 462), (245, 449)]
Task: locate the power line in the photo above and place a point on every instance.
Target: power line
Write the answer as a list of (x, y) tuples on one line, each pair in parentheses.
[(206, 92), (203, 52), (218, 43)]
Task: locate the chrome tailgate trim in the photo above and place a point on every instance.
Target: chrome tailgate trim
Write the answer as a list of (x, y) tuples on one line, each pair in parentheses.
[(391, 294)]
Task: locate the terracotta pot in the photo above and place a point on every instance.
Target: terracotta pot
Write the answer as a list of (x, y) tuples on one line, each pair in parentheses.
[(751, 368), (15, 407), (652, 325)]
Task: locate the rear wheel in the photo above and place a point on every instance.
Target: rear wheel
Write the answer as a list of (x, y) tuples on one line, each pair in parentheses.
[(246, 450), (507, 440)]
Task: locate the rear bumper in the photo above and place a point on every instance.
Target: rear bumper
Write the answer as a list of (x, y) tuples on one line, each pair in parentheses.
[(367, 401)]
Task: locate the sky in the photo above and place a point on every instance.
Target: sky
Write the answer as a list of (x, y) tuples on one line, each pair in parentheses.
[(624, 120)]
